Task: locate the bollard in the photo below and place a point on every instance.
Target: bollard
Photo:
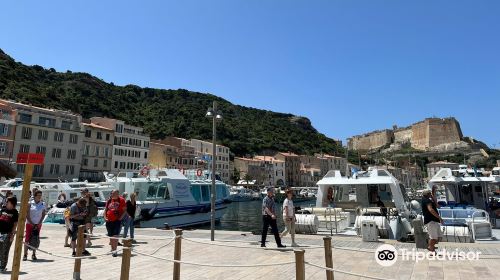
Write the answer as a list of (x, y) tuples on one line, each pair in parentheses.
[(421, 237), (328, 256), (127, 253), (300, 271), (177, 254), (80, 245), (127, 243)]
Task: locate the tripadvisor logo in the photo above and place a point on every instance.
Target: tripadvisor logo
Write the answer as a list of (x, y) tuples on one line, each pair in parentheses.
[(387, 255)]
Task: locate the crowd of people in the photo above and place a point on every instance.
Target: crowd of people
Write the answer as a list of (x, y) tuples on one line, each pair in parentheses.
[(119, 216)]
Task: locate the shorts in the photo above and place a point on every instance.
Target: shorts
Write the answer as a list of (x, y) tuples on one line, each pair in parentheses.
[(29, 229), (434, 230), (113, 228), (74, 229)]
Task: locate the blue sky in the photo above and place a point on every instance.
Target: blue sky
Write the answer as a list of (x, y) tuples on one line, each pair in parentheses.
[(350, 66)]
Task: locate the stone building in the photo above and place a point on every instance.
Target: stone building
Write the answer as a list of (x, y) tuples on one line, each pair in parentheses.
[(265, 170), (97, 152), (130, 144), (163, 155), (7, 131), (372, 140), (55, 133), (292, 168), (329, 162)]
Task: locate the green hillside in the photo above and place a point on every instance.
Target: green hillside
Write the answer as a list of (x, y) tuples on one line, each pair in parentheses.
[(161, 112)]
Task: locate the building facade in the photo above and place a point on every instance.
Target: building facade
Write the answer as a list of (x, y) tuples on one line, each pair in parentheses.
[(56, 134), (163, 155), (7, 131), (292, 168), (204, 148), (434, 167), (130, 144), (97, 152)]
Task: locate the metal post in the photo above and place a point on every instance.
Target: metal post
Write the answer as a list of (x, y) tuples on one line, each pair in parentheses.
[(177, 254), (300, 271), (80, 244), (327, 240), (214, 159), (125, 272), (16, 264)]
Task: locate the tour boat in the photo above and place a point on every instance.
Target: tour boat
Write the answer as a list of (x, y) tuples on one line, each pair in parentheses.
[(241, 194), (168, 198)]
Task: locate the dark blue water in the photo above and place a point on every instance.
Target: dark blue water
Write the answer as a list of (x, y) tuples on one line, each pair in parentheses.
[(247, 216)]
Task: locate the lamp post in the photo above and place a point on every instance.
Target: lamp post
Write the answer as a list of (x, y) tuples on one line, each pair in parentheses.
[(215, 116)]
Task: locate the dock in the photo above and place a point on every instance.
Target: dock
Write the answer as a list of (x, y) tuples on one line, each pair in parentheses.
[(155, 247)]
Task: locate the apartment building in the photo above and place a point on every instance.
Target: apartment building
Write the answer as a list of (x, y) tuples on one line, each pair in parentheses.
[(434, 167), (97, 152), (292, 168), (7, 131), (186, 157), (204, 148), (55, 133), (163, 155), (328, 162), (130, 144), (275, 170)]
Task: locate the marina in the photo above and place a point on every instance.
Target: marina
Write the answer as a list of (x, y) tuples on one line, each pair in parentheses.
[(241, 248)]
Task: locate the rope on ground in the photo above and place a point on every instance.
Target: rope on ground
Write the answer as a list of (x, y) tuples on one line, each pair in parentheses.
[(345, 272), (212, 265), (72, 258)]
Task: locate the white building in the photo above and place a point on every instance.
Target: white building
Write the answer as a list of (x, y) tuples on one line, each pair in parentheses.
[(130, 144)]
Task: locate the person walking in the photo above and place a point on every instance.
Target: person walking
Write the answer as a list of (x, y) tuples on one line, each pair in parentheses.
[(34, 219), (289, 217), (77, 217), (91, 213), (432, 220), (8, 225), (114, 213), (269, 219), (8, 194), (130, 217)]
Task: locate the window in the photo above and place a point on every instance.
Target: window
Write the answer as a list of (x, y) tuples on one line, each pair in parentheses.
[(88, 133), (116, 164), (20, 168), (24, 148), (66, 125), (43, 135), (73, 139), (54, 169), (70, 169), (46, 121), (85, 161), (41, 150), (107, 136), (26, 133), (106, 152), (38, 171), (99, 135), (122, 165), (96, 151), (56, 153), (119, 128), (146, 155), (71, 154), (96, 162), (105, 163), (4, 129), (25, 117), (86, 151), (3, 148), (58, 136)]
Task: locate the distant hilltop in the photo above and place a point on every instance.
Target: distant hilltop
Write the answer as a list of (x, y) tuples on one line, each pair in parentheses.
[(431, 134)]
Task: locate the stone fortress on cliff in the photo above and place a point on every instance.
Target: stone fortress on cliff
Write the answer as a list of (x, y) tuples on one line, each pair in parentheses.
[(431, 134)]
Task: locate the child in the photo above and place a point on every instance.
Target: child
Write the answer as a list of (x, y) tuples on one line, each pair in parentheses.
[(67, 213)]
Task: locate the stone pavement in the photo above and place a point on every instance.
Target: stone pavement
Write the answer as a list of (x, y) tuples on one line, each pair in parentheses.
[(355, 256)]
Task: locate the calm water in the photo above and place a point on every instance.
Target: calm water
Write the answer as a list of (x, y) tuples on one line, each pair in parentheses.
[(247, 216)]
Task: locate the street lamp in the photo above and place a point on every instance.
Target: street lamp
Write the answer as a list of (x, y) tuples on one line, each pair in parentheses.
[(215, 115)]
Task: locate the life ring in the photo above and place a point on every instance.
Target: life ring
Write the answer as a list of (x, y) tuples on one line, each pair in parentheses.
[(144, 171), (199, 172)]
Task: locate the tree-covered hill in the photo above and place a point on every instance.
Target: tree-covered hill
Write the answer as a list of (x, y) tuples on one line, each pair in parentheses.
[(161, 112)]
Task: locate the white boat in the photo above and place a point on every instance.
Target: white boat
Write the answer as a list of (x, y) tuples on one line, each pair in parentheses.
[(241, 194), (167, 197), (344, 203), (464, 205)]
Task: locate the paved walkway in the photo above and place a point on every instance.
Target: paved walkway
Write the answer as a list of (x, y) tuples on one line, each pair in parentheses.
[(361, 261)]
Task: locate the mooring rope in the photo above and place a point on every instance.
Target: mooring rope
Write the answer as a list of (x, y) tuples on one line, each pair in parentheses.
[(72, 258)]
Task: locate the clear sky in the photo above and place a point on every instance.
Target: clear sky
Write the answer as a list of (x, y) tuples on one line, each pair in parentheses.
[(350, 66)]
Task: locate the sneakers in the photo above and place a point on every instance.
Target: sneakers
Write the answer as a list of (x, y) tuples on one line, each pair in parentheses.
[(115, 254), (295, 245), (74, 254), (86, 253), (281, 246), (25, 257), (67, 245), (89, 244), (262, 245), (33, 257)]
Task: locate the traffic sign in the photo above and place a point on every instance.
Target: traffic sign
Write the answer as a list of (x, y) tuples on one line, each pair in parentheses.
[(26, 158)]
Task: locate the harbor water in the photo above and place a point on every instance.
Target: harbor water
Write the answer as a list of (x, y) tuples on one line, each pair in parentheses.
[(247, 216)]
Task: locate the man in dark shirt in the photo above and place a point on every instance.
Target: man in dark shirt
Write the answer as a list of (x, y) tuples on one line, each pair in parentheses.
[(8, 225), (269, 219), (432, 220), (78, 213)]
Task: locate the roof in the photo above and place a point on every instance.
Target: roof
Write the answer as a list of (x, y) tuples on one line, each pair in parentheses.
[(96, 126), (442, 163), (288, 154)]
